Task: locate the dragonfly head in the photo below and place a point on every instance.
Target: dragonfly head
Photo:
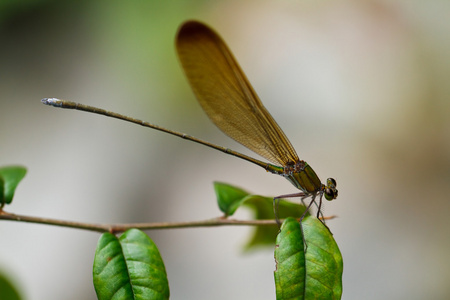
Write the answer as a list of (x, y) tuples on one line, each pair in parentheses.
[(330, 190)]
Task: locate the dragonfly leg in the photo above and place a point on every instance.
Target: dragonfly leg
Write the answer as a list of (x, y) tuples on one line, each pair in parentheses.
[(319, 210), (308, 207), (320, 214), (313, 197), (293, 195), (276, 203)]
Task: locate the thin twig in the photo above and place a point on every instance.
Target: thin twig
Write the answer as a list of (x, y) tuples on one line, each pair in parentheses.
[(115, 228)]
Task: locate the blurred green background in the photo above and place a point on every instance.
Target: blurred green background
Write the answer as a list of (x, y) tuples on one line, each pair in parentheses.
[(361, 88)]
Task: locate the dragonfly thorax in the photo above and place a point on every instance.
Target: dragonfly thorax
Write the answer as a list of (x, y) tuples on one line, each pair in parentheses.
[(303, 177)]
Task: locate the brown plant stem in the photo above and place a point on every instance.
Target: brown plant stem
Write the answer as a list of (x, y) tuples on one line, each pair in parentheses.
[(117, 228)]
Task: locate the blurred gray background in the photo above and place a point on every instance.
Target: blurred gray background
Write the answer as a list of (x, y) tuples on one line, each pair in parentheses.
[(361, 88)]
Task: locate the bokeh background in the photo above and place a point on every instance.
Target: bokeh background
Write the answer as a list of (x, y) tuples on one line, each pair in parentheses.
[(361, 88)]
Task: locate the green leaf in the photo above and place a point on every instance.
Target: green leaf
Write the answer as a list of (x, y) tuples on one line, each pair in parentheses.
[(229, 198), (262, 208), (10, 178), (314, 275), (290, 261), (2, 195), (8, 290), (129, 267)]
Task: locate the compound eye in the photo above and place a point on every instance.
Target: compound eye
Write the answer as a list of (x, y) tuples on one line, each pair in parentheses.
[(330, 194), (331, 181)]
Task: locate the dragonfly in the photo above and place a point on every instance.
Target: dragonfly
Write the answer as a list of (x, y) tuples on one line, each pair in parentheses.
[(230, 102)]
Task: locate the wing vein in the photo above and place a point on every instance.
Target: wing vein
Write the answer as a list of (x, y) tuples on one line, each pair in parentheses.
[(227, 97)]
